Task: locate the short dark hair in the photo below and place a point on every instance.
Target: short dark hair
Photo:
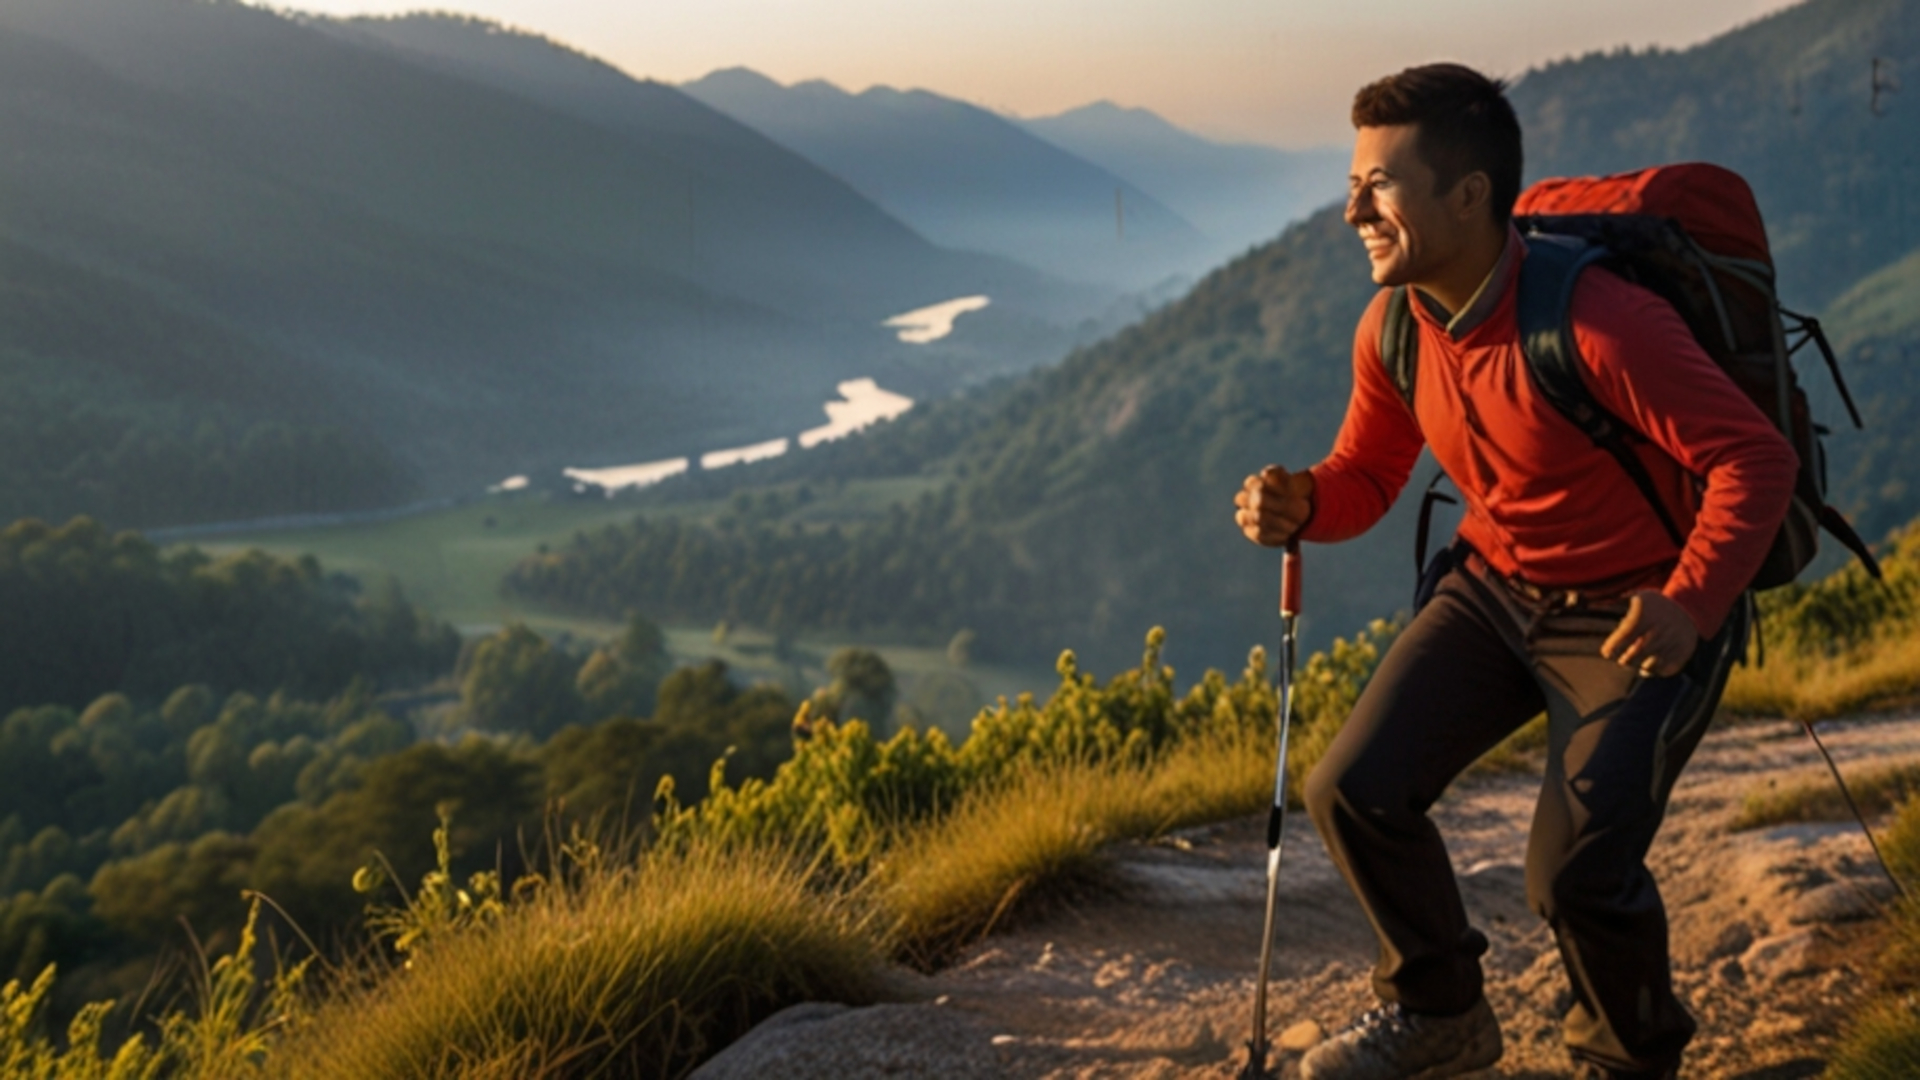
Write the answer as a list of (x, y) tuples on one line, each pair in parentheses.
[(1464, 120)]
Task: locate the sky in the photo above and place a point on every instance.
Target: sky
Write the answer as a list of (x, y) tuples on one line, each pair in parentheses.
[(1271, 71)]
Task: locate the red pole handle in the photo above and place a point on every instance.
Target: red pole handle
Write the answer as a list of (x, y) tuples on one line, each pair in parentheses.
[(1290, 580)]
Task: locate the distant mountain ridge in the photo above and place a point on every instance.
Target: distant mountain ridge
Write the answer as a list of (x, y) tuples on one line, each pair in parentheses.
[(1238, 194), (968, 178)]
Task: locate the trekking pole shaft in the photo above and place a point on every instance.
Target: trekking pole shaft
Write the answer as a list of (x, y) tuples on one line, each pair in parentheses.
[(1834, 768), (1258, 1048)]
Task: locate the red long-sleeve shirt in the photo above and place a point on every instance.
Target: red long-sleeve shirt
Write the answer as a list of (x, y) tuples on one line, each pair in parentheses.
[(1543, 502)]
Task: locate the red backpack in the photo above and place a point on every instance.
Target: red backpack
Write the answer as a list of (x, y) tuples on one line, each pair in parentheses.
[(1693, 235)]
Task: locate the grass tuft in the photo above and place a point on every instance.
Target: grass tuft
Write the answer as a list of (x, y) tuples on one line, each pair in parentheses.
[(641, 971), (1877, 790), (1883, 1044)]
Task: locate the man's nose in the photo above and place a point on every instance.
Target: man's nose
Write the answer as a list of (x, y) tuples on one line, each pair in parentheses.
[(1359, 207)]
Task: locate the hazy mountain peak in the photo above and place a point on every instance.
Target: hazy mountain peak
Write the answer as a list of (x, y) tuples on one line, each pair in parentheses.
[(733, 80)]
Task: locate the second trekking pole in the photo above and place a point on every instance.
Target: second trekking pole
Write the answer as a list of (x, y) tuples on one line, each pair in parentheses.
[(1258, 1047)]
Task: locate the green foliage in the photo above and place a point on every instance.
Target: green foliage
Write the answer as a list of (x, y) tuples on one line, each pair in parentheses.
[(905, 573), (439, 906), (145, 465), (517, 681), (1840, 644), (306, 856), (1847, 609), (84, 612), (862, 689), (846, 791), (226, 1036), (960, 648)]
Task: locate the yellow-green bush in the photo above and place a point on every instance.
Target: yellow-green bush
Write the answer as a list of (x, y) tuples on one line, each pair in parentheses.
[(1840, 644)]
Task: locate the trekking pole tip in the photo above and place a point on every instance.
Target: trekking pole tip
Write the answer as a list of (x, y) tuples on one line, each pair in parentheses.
[(1256, 1066)]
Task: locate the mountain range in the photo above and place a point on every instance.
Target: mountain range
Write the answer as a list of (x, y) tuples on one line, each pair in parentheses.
[(968, 178), (471, 252), (1237, 194)]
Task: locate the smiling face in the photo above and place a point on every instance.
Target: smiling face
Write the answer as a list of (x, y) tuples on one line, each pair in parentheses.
[(1414, 234)]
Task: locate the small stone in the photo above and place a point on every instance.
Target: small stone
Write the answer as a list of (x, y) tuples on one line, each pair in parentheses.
[(1302, 1036), (1734, 939), (1731, 973), (1836, 903), (1782, 956)]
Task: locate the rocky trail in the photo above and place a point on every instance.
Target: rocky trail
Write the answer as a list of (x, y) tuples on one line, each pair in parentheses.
[(1773, 932)]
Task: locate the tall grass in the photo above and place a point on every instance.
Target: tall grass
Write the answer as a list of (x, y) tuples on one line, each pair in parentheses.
[(642, 970), (1884, 1042), (1008, 850)]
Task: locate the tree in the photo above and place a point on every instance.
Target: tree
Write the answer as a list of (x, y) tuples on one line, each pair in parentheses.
[(517, 681), (960, 649), (862, 689)]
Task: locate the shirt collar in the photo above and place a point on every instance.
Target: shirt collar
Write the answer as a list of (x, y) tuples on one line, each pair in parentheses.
[(1485, 298)]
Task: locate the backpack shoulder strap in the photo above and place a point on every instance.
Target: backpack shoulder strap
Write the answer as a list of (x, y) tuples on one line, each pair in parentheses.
[(1400, 343), (1545, 314)]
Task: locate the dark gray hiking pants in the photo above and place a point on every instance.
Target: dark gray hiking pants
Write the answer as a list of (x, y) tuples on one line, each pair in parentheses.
[(1480, 660)]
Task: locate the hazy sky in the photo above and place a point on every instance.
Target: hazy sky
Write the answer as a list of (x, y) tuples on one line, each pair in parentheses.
[(1276, 71)]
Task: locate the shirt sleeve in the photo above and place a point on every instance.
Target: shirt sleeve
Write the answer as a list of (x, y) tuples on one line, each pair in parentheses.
[(1644, 366), (1375, 451)]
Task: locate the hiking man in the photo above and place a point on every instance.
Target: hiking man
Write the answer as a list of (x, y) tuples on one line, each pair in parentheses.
[(1565, 594)]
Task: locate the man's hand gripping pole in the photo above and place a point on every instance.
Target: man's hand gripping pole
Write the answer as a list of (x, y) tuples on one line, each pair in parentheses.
[(1259, 1047)]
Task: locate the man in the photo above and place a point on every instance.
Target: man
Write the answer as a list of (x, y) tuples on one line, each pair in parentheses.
[(1568, 595)]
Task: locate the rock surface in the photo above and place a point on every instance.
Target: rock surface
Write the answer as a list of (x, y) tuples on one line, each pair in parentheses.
[(1772, 932)]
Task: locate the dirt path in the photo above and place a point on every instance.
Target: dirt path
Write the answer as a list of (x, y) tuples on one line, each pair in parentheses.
[(1155, 981)]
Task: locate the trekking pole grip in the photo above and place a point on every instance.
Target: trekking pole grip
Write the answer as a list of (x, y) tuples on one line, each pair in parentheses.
[(1290, 580)]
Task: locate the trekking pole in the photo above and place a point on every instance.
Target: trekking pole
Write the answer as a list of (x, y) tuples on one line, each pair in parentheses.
[(1834, 768), (1257, 1049)]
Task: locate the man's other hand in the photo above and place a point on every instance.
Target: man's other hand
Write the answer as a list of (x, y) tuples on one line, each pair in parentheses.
[(1273, 504), (1656, 638)]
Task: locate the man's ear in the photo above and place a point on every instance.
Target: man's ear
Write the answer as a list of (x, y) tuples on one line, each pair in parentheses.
[(1472, 195)]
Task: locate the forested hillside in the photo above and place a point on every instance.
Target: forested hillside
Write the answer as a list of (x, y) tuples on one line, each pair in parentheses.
[(1094, 499), (218, 222), (176, 728)]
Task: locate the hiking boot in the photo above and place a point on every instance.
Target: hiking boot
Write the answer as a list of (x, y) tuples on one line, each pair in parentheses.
[(1392, 1044)]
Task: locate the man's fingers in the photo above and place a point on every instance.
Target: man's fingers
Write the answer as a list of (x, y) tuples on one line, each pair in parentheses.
[(1625, 635), (1272, 504)]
